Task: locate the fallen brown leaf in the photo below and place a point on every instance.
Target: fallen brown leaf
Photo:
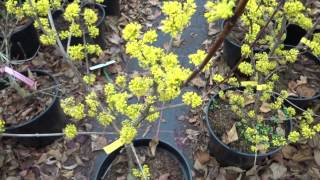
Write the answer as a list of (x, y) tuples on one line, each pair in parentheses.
[(305, 91), (278, 170), (265, 107), (231, 135), (203, 157)]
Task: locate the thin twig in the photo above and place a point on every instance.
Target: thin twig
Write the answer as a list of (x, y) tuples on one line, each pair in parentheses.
[(53, 134), (138, 161)]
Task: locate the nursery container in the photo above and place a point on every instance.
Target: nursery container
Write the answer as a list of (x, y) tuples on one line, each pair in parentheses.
[(227, 156), (51, 120), (305, 102), (294, 34), (24, 41), (231, 50), (100, 25), (112, 7), (106, 160)]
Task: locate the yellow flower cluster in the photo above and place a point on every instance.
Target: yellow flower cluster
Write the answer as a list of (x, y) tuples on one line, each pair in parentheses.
[(72, 11), (192, 99), (78, 52), (72, 109), (314, 45), (145, 172), (150, 36), (236, 99), (127, 132), (90, 79), (70, 131), (280, 100), (218, 78), (121, 81), (245, 50), (118, 101), (198, 57), (92, 103), (245, 68), (223, 9), (140, 86), (105, 118), (263, 64), (90, 17), (2, 125), (295, 10), (154, 116), (252, 34), (287, 56), (294, 136), (233, 81), (291, 111), (178, 16), (133, 111), (279, 141), (164, 67), (131, 32)]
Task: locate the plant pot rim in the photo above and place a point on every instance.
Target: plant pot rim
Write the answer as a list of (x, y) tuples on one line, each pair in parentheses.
[(211, 131), (100, 8), (35, 118), (162, 144), (221, 24), (21, 27)]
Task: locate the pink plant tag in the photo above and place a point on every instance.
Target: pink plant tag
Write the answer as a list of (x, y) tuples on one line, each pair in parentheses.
[(31, 83)]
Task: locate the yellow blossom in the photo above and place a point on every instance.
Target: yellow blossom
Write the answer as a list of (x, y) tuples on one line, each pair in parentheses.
[(192, 99), (70, 131)]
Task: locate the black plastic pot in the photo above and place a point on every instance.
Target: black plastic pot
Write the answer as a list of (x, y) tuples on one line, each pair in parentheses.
[(100, 24), (107, 159), (112, 7), (24, 42), (294, 34), (51, 120), (231, 50), (305, 102), (227, 156)]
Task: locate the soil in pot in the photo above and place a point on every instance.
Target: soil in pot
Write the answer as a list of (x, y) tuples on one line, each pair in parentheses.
[(162, 165), (15, 109), (222, 119), (302, 78)]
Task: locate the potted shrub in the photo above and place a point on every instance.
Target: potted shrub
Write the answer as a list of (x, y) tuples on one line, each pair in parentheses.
[(18, 31), (160, 83), (251, 122), (253, 20)]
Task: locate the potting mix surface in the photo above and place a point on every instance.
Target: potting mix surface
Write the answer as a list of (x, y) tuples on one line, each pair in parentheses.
[(22, 103), (162, 165), (183, 128)]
